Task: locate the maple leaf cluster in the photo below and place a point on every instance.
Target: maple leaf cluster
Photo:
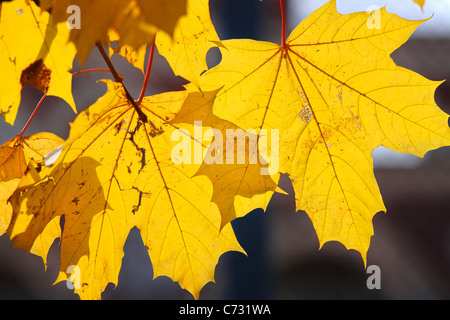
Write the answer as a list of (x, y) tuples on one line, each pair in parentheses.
[(317, 106)]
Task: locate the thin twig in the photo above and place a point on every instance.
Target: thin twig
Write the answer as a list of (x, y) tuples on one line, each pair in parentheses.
[(147, 73), (283, 24), (93, 70), (119, 79), (32, 115)]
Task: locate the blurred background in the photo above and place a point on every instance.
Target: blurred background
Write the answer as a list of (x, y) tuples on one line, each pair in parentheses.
[(412, 241)]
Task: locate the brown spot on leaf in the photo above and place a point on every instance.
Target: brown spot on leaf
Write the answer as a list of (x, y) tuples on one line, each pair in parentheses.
[(154, 132), (118, 127), (76, 200), (38, 75)]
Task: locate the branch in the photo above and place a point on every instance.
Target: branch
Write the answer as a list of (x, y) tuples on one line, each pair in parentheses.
[(147, 73), (93, 70), (32, 115), (283, 24), (119, 79)]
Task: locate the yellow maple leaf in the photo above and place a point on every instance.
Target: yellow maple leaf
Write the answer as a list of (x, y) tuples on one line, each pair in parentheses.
[(116, 173), (32, 51), (21, 160), (136, 21), (335, 94), (193, 36)]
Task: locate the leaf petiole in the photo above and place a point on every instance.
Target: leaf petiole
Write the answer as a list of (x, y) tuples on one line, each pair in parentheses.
[(147, 73), (93, 70), (119, 79), (32, 115), (283, 24)]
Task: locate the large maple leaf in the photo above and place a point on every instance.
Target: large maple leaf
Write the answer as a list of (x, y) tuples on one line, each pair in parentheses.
[(116, 173), (335, 94)]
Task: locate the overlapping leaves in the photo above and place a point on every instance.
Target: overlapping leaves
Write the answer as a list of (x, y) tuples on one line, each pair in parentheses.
[(332, 92), (120, 175)]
